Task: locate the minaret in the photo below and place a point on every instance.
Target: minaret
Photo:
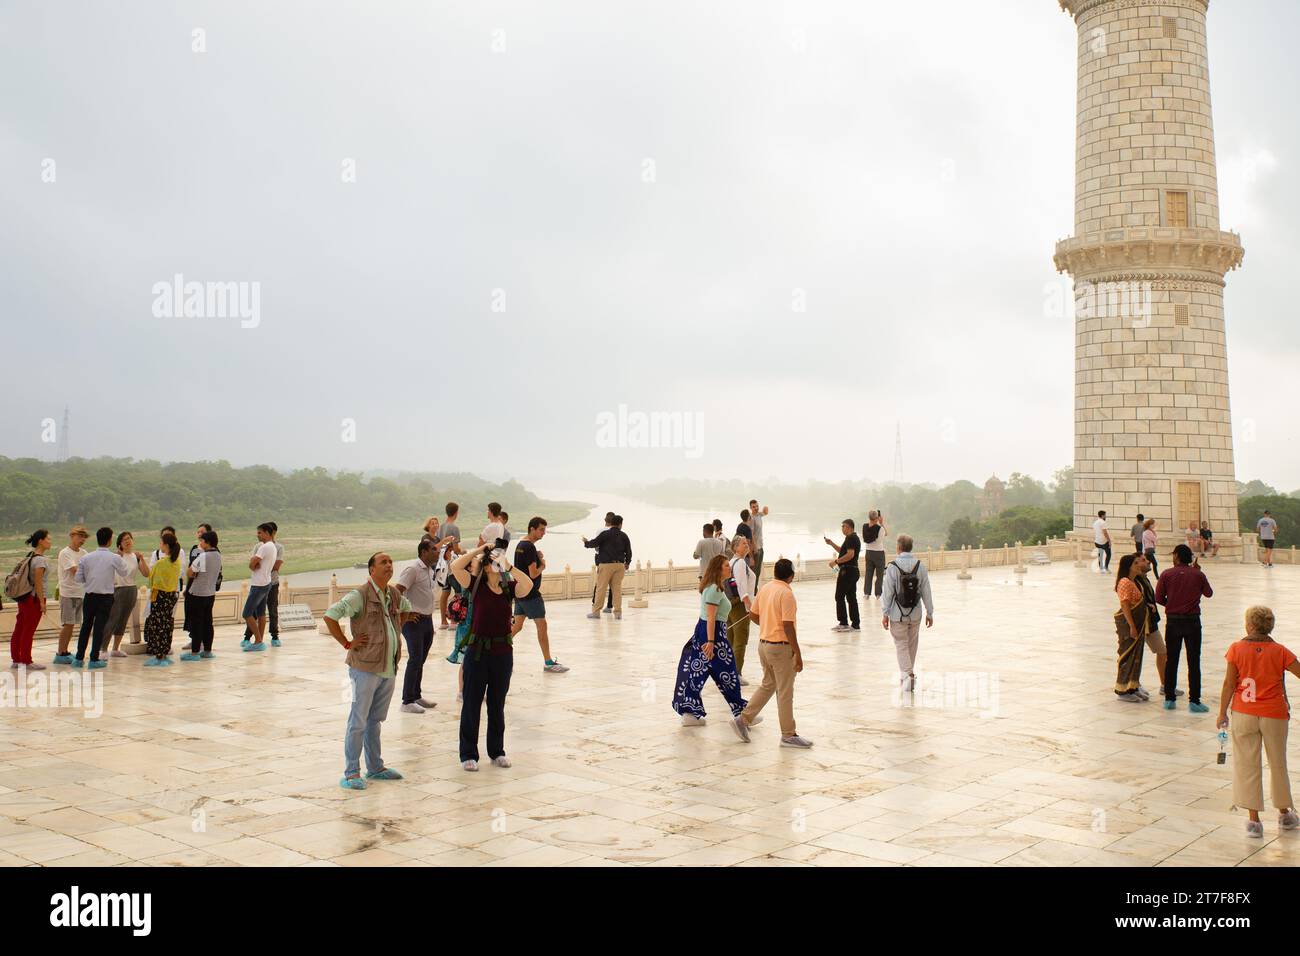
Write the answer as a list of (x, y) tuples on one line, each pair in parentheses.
[(1152, 421)]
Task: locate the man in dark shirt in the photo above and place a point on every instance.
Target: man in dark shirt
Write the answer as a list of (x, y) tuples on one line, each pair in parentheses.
[(846, 584), (745, 528), (530, 561), (611, 546), (1180, 590)]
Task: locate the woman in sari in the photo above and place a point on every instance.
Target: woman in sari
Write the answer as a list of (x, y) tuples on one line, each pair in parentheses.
[(708, 653), (1132, 621)]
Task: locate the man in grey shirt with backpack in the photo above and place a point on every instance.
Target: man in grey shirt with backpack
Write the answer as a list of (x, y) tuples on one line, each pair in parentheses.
[(907, 588)]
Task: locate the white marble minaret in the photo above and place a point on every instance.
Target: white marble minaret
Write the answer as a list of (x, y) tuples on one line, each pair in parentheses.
[(1152, 421)]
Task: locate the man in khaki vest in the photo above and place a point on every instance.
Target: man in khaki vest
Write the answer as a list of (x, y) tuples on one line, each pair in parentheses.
[(377, 611)]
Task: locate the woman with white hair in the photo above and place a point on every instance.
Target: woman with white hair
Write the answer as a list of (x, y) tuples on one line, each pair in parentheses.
[(1255, 685)]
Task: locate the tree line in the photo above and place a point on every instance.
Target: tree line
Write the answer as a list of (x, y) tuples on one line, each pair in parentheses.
[(125, 492)]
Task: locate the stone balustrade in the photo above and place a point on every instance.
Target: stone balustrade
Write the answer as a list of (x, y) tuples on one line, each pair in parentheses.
[(647, 579)]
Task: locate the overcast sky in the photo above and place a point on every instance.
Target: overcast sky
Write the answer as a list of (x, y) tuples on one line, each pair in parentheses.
[(651, 192)]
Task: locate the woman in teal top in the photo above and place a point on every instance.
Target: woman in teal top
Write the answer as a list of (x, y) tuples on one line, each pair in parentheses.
[(708, 653)]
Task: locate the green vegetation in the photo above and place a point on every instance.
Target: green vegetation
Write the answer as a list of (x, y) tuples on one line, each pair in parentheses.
[(1026, 524), (327, 519)]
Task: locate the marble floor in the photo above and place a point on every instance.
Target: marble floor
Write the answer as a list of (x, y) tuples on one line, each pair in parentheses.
[(1014, 752)]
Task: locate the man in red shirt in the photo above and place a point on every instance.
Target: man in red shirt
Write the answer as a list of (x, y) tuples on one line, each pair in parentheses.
[(1180, 590)]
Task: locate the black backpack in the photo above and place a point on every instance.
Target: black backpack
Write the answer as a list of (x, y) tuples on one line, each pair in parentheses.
[(909, 588)]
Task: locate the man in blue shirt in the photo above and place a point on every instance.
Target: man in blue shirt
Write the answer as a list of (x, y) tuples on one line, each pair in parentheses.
[(1267, 529)]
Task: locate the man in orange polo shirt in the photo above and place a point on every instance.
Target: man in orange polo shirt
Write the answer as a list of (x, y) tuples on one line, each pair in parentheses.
[(778, 651)]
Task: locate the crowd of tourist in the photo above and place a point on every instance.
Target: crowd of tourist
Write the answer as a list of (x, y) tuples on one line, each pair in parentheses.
[(1256, 666), (488, 597)]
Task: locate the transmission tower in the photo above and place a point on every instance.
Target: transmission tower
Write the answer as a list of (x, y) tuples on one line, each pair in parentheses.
[(63, 436)]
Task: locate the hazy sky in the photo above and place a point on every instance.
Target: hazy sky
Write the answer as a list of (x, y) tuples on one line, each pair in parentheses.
[(802, 222)]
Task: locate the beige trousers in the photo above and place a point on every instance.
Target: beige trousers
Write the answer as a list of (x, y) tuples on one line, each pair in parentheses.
[(608, 576), (907, 639), (778, 678), (1248, 732)]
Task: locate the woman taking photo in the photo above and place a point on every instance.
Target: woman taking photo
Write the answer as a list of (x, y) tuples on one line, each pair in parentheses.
[(1255, 684), (1132, 621), (746, 588), (484, 574), (164, 577), (31, 607), (708, 653), (125, 593)]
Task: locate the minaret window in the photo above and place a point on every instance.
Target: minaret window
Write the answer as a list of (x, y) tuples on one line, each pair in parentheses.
[(1170, 28)]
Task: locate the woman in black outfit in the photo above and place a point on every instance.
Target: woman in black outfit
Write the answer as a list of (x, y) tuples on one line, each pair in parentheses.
[(484, 574)]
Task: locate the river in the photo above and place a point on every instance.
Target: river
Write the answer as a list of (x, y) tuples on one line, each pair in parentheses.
[(658, 534)]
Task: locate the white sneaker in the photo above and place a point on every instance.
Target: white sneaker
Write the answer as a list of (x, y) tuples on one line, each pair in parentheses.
[(690, 720), (116, 653), (1143, 694), (594, 617), (427, 704), (1255, 828), (840, 627), (796, 741), (555, 667), (1288, 820), (502, 761), (758, 719), (412, 709), (1129, 698), (33, 666), (469, 765), (740, 727)]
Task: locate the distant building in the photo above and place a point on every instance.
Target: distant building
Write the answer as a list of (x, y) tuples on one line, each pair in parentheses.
[(991, 501)]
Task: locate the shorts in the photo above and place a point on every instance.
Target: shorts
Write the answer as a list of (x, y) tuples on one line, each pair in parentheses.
[(70, 611), (531, 607), (258, 594), (1155, 642), (1267, 543)]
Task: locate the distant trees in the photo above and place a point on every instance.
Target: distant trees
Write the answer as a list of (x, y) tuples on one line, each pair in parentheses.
[(1023, 523), (1286, 512), (147, 494)]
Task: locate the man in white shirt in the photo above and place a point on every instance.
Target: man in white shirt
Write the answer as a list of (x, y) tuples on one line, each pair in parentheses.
[(272, 596), (1101, 538), (262, 563), (495, 527), (417, 586), (71, 594)]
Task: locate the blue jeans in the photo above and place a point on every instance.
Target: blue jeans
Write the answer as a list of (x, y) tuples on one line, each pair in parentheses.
[(258, 595), (371, 695)]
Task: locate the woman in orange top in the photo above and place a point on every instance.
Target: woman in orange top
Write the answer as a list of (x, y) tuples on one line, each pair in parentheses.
[(1132, 621), (1255, 683)]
